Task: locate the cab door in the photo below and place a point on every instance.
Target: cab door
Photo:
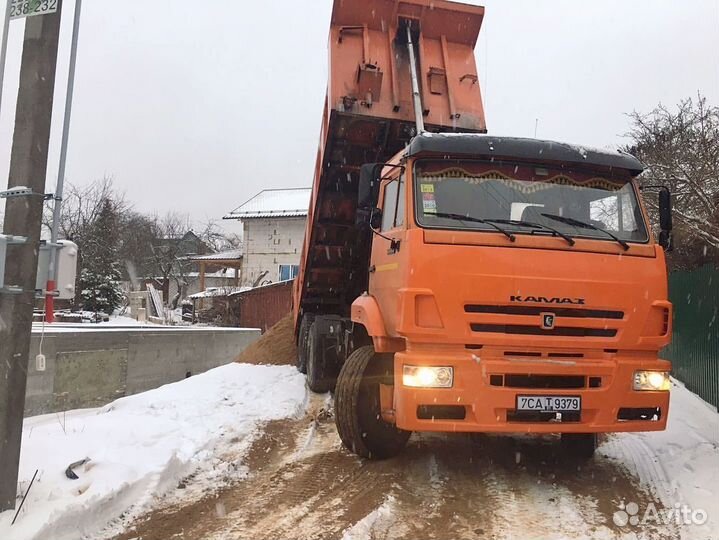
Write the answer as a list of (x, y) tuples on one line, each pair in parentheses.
[(388, 261)]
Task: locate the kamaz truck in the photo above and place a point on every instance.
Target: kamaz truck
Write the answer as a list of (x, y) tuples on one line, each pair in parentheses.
[(454, 281)]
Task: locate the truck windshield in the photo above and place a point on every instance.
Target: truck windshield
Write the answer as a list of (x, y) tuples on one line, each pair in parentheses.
[(511, 193)]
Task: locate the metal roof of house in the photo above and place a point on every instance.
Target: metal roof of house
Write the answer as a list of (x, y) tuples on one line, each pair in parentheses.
[(233, 254), (292, 202), (211, 292)]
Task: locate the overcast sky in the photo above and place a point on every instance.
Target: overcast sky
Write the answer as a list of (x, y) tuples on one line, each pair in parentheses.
[(195, 106)]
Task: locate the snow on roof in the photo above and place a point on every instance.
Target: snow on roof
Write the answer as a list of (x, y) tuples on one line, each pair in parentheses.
[(273, 284), (292, 202), (524, 147), (211, 292), (221, 256)]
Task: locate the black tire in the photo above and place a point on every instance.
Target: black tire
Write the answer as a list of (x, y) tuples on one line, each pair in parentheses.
[(579, 445), (302, 338), (322, 366), (357, 406)]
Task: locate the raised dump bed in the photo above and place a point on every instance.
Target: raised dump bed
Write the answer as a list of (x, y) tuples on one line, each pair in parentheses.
[(369, 117)]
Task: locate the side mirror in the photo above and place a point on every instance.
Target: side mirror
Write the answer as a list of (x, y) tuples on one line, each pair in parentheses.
[(666, 241), (665, 210), (665, 219), (369, 181), (375, 219)]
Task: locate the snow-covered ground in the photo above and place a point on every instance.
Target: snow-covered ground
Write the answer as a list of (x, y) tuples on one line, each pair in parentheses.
[(141, 446), (679, 465)]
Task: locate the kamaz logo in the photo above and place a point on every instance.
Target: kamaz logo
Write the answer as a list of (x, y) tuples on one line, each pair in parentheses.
[(545, 300)]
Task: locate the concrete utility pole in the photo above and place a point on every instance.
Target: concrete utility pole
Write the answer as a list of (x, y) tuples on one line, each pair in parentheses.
[(28, 166)]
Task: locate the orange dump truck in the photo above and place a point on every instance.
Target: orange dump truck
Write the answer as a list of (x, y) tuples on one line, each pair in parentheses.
[(456, 281)]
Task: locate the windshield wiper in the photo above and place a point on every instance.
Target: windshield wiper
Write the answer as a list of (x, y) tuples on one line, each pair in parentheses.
[(460, 217), (539, 226), (583, 225)]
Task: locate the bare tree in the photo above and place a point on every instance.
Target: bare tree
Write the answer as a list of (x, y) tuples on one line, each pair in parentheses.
[(170, 247), (138, 233), (82, 205), (149, 246), (216, 238), (681, 150)]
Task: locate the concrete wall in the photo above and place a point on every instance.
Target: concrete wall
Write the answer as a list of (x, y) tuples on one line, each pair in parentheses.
[(90, 366), (269, 242)]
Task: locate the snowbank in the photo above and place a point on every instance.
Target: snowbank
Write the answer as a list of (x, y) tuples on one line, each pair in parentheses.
[(141, 446), (681, 464)]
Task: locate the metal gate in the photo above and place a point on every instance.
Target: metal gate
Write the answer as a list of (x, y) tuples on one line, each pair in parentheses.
[(694, 350)]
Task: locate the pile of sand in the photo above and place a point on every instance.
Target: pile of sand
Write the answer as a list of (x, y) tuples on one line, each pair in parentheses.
[(275, 347)]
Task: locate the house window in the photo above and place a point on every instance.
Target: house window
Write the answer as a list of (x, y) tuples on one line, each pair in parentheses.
[(288, 271)]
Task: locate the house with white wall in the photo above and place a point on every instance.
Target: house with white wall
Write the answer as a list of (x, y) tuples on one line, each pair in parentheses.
[(273, 223)]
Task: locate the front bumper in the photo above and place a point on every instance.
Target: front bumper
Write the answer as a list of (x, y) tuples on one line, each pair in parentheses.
[(488, 407)]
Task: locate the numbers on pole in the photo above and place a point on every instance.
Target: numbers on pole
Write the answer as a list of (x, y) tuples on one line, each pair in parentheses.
[(28, 8)]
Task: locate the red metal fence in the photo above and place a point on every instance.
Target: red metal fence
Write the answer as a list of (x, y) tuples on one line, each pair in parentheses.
[(262, 307)]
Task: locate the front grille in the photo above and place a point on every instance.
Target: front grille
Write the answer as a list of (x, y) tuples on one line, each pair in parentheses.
[(535, 354), (538, 310), (517, 380), (538, 331)]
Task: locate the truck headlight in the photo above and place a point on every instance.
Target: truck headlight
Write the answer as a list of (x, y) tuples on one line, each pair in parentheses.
[(427, 376), (652, 380)]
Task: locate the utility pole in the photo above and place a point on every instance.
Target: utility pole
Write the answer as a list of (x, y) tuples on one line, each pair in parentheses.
[(28, 167)]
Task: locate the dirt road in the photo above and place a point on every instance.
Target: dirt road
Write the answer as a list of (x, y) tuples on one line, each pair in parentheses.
[(304, 485)]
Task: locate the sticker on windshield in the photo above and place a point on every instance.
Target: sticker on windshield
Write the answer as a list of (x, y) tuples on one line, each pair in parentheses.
[(427, 188), (429, 206)]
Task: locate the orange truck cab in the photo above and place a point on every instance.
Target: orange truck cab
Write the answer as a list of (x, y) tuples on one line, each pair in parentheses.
[(456, 281)]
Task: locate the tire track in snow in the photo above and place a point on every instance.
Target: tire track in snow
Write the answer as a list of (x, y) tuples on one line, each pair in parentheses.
[(303, 484), (628, 448)]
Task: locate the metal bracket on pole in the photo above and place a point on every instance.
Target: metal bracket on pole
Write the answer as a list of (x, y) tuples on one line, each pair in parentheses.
[(9, 239), (18, 191), (10, 290)]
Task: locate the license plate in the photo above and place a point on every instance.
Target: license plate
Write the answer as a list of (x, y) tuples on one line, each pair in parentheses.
[(549, 403)]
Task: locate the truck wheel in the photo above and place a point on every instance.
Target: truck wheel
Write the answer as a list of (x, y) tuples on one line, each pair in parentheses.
[(357, 406), (302, 338), (579, 445), (321, 366)]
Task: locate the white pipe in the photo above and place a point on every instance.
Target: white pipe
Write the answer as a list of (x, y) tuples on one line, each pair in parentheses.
[(3, 47), (52, 270), (415, 85)]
